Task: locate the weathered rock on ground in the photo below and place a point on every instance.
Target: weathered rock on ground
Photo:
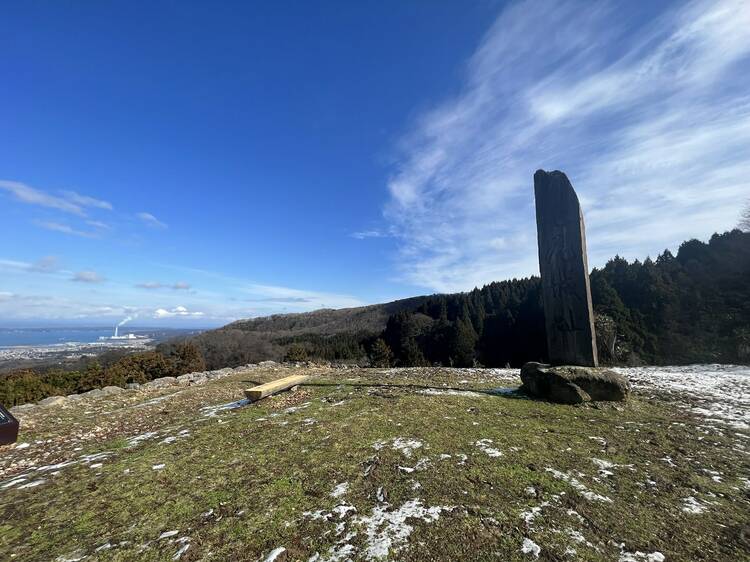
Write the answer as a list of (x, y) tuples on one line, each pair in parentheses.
[(573, 385)]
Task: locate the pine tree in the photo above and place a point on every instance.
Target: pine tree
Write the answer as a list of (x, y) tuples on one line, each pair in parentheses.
[(380, 354)]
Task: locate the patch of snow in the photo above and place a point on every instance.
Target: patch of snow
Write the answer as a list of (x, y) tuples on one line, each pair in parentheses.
[(13, 482), (448, 392), (213, 411), (530, 547), (639, 556), (578, 485), (691, 505), (484, 446), (158, 467), (138, 439), (95, 465), (33, 484), (168, 534), (340, 490), (722, 391), (388, 531), (274, 554), (183, 549), (22, 446), (406, 446)]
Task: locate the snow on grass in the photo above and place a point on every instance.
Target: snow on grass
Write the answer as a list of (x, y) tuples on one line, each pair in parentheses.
[(578, 485), (168, 534), (33, 484), (138, 439), (388, 531), (530, 547), (406, 446), (448, 392), (13, 482), (639, 556), (213, 411), (484, 446), (693, 506), (720, 393), (605, 466), (158, 467), (274, 554), (340, 490)]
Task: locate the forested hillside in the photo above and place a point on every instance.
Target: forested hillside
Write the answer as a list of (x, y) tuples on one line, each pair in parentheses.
[(692, 307)]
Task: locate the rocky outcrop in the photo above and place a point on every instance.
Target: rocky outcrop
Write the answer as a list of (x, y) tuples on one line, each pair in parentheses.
[(199, 377), (573, 385)]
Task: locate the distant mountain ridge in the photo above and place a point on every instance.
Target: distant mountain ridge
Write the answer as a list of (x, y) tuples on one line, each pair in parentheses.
[(327, 321)]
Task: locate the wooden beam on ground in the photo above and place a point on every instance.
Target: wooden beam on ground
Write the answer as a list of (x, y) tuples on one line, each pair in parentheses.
[(263, 390)]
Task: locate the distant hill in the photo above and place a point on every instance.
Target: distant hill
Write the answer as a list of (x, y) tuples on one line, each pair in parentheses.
[(335, 334), (328, 321), (690, 307)]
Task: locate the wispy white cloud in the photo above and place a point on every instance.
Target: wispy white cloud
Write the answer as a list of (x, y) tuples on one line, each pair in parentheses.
[(151, 220), (177, 311), (308, 299), (651, 121), (87, 276), (361, 235), (65, 229), (27, 194), (46, 264), (86, 201), (178, 286)]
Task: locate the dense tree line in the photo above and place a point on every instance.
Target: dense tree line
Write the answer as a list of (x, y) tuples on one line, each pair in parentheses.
[(23, 386), (688, 308)]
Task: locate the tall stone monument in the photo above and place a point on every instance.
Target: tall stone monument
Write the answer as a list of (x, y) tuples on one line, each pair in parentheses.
[(568, 313)]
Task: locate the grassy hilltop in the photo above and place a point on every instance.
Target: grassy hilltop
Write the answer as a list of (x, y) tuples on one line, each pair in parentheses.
[(363, 464)]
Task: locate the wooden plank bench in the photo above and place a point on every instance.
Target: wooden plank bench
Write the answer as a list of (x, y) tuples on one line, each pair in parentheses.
[(269, 388)]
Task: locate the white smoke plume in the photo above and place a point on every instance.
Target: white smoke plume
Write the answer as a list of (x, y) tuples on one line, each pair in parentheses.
[(122, 322)]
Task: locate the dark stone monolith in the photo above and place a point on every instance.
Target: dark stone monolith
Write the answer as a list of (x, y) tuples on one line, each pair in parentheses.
[(568, 314)]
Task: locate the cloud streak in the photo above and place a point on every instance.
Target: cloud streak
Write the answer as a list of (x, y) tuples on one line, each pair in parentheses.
[(32, 196), (87, 276), (650, 121), (151, 220), (178, 286)]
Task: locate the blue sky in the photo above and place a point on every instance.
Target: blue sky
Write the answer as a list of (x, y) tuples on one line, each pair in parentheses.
[(188, 164)]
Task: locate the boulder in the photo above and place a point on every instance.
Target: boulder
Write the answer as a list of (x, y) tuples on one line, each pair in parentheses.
[(112, 390), (95, 393), (569, 384), (52, 401), (22, 408), (161, 382)]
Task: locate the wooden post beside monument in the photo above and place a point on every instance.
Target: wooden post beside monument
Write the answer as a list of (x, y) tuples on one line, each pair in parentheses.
[(573, 375)]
